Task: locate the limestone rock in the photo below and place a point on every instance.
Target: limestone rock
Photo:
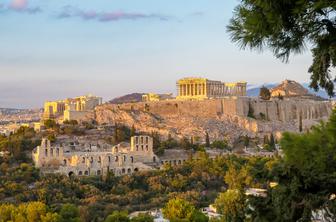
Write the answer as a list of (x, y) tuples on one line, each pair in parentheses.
[(289, 88)]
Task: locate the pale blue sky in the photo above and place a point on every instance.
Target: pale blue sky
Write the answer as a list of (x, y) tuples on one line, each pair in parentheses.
[(50, 49)]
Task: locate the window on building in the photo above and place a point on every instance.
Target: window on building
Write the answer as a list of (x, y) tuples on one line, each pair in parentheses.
[(136, 139), (129, 170), (46, 152), (51, 152), (80, 173), (124, 158), (123, 171), (141, 139), (57, 152), (64, 162), (116, 159), (83, 160), (98, 172), (146, 139), (86, 172), (137, 147), (132, 159), (142, 148), (146, 147), (99, 159), (109, 159), (91, 160)]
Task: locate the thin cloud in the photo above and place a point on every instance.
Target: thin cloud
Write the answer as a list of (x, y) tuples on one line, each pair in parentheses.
[(70, 12), (22, 6), (199, 13)]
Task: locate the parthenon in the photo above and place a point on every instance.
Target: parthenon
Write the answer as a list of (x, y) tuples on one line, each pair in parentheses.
[(202, 88)]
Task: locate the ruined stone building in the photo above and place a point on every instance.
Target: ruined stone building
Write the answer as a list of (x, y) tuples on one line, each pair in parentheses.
[(80, 108), (88, 159), (202, 88)]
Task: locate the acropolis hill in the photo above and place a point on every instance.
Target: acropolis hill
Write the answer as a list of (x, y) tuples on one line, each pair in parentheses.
[(223, 116)]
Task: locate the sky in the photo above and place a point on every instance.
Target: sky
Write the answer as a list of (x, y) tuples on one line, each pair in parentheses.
[(54, 49)]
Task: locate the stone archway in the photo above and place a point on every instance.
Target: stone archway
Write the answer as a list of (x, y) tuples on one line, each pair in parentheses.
[(70, 174)]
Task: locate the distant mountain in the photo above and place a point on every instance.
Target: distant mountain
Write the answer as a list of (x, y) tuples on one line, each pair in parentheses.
[(11, 111), (253, 90), (133, 97)]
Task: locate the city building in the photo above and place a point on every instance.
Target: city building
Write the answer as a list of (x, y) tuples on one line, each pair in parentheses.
[(202, 88), (91, 159), (78, 108)]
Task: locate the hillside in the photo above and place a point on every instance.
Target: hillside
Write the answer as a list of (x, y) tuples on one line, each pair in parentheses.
[(129, 98), (254, 90)]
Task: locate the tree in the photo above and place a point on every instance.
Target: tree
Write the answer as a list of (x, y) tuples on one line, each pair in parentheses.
[(117, 216), (231, 204), (133, 131), (219, 144), (305, 176), (69, 213), (185, 143), (246, 140), (250, 112), (50, 124), (143, 218), (272, 141), (286, 27), (264, 93), (177, 210), (207, 139), (300, 123), (28, 212)]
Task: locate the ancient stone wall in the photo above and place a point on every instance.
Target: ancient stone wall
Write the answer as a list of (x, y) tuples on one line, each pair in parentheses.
[(226, 117)]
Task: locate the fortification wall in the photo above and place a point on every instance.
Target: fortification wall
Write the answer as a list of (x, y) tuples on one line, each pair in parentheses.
[(274, 110), (222, 117)]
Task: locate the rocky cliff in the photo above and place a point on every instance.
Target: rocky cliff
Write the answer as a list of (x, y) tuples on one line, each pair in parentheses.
[(222, 118)]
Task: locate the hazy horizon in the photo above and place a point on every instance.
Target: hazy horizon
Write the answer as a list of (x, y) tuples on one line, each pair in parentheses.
[(52, 50)]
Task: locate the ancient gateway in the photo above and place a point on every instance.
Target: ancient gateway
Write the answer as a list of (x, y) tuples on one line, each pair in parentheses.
[(79, 108), (202, 88)]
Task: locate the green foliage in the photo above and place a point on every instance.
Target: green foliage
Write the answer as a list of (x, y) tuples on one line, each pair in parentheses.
[(185, 143), (142, 218), (207, 140), (27, 212), (220, 144), (306, 176), (231, 204), (246, 140), (177, 210), (70, 122), (250, 112), (286, 27), (300, 123), (118, 217), (24, 139), (69, 213), (51, 124), (264, 93), (120, 134), (237, 177), (133, 131)]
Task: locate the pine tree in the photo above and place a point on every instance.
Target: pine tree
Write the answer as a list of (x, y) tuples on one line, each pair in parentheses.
[(132, 131), (207, 140), (287, 27)]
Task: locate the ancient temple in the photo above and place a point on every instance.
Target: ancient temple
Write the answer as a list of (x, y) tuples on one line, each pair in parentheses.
[(202, 88)]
